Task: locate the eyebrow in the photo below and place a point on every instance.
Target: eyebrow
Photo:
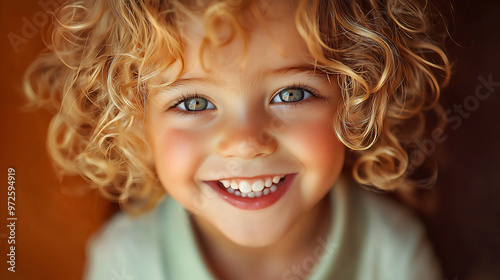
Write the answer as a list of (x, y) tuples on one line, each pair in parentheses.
[(187, 81), (305, 68), (310, 70)]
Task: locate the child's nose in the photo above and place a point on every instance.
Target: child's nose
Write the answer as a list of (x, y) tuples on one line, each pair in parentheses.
[(247, 139)]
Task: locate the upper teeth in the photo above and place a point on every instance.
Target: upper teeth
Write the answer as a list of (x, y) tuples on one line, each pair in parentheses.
[(247, 186)]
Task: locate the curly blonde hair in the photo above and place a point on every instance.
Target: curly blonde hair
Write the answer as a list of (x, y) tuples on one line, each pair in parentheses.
[(102, 54)]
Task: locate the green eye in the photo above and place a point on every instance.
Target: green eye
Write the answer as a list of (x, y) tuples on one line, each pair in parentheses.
[(195, 104), (289, 95)]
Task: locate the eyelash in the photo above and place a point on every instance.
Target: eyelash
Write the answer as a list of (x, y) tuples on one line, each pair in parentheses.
[(301, 87), (185, 97)]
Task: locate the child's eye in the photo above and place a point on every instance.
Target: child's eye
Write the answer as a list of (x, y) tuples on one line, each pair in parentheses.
[(195, 104), (291, 94)]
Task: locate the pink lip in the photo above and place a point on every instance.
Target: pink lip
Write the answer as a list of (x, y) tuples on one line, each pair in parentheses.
[(254, 203)]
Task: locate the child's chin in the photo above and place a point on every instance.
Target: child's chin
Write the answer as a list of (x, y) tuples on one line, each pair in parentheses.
[(261, 243)]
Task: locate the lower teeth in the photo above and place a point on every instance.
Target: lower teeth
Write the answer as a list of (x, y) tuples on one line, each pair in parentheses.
[(266, 191)]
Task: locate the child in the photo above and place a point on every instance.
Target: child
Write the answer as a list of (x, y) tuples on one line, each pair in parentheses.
[(241, 111)]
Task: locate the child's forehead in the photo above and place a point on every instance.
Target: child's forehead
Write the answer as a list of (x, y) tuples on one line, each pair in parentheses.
[(270, 41), (253, 16)]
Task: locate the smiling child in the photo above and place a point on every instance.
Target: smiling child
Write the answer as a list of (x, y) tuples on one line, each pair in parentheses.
[(233, 133)]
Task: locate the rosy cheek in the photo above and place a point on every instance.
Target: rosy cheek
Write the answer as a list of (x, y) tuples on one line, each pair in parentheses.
[(180, 153), (321, 154), (317, 146)]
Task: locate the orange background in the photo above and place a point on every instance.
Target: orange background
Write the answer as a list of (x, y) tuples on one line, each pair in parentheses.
[(56, 217)]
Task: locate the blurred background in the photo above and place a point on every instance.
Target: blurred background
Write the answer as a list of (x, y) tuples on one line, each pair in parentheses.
[(55, 216)]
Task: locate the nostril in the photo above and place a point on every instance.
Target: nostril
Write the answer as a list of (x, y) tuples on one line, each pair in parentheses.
[(246, 149), (246, 139)]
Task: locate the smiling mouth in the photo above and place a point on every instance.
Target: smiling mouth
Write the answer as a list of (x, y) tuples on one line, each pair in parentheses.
[(253, 193), (252, 188)]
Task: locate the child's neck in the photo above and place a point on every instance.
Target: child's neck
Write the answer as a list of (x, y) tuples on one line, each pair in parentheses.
[(231, 261)]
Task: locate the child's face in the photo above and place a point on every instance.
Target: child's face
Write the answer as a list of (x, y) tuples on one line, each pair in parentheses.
[(245, 129)]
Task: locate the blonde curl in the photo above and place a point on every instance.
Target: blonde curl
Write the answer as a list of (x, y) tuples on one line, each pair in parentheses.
[(103, 54)]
